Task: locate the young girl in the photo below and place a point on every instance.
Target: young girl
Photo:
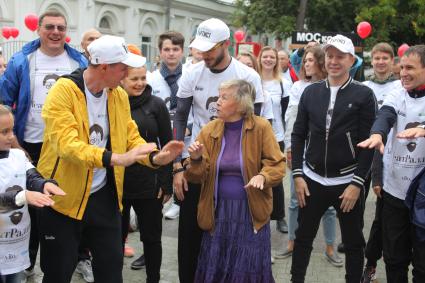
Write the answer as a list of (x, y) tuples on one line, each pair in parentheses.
[(16, 176)]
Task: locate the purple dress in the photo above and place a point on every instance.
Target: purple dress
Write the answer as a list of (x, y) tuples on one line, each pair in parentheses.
[(233, 252)]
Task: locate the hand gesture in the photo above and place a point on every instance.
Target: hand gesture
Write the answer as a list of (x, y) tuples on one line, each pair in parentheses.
[(349, 198), (256, 182), (411, 133), (195, 150), (179, 184), (51, 189), (38, 199), (169, 152), (301, 190), (137, 153), (374, 141)]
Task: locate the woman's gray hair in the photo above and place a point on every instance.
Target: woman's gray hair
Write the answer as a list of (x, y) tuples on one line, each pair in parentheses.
[(244, 94)]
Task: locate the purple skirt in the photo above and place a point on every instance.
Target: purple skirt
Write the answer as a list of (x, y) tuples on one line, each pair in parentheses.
[(234, 253)]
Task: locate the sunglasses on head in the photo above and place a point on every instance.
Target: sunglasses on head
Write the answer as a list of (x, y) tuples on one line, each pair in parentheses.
[(60, 28)]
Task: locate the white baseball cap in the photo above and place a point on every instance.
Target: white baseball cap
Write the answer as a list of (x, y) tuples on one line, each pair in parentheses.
[(109, 49), (209, 33), (342, 43)]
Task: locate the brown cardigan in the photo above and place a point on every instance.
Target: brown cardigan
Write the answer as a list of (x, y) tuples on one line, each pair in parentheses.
[(261, 155)]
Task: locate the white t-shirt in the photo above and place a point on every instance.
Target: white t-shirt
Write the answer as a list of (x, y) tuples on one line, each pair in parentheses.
[(287, 77), (316, 177), (267, 107), (44, 72), (15, 223), (202, 84), (404, 159), (295, 93), (381, 91), (99, 131), (161, 89), (274, 89)]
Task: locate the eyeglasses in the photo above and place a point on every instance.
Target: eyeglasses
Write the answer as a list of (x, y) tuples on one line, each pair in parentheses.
[(51, 27), (217, 46)]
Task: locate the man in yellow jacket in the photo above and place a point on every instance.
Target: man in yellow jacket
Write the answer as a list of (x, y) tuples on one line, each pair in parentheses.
[(88, 141)]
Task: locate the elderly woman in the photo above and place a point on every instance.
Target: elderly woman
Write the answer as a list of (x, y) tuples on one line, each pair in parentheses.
[(237, 160)]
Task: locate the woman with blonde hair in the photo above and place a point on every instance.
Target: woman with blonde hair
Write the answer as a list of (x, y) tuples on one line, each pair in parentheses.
[(237, 160), (278, 90)]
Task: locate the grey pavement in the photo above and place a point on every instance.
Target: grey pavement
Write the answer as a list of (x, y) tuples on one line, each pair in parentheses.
[(319, 270)]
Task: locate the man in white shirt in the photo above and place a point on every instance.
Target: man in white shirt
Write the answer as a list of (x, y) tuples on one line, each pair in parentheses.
[(198, 88), (402, 111), (328, 170), (29, 75), (90, 138), (164, 83), (382, 82)]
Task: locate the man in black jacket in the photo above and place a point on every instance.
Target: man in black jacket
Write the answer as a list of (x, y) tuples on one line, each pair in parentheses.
[(333, 116)]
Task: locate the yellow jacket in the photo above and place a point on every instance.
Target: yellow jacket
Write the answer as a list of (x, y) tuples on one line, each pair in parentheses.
[(261, 155), (67, 156)]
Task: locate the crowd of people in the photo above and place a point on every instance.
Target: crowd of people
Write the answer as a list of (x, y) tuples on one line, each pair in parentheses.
[(87, 138)]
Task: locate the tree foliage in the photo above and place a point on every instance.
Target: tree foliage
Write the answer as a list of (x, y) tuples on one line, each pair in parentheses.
[(394, 21)]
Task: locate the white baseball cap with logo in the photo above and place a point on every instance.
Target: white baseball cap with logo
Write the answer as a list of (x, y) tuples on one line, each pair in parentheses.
[(342, 43), (209, 33), (109, 49)]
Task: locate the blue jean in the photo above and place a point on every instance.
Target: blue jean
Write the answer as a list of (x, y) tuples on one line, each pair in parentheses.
[(12, 278), (328, 219)]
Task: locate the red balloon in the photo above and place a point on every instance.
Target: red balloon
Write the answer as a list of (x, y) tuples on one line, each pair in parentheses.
[(5, 31), (14, 32), (364, 29), (31, 21), (67, 39), (239, 35), (402, 49)]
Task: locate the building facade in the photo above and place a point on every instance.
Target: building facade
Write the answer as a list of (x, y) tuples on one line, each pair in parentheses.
[(139, 21)]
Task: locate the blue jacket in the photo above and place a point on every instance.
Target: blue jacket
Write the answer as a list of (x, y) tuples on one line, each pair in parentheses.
[(15, 82), (415, 201)]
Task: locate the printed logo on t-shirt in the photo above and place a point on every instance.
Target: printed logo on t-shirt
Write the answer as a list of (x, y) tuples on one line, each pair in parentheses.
[(411, 146), (211, 106), (16, 217), (14, 188), (96, 134), (49, 80)]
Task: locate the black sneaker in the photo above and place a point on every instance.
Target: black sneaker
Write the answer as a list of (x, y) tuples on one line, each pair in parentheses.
[(282, 226), (138, 263), (369, 274)]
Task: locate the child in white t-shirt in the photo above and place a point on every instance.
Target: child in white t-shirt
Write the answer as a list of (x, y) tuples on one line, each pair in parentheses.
[(17, 175)]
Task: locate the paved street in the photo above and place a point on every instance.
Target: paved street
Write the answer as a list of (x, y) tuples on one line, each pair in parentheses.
[(319, 269)]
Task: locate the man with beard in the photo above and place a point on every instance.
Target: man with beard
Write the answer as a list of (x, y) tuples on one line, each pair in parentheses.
[(23, 84), (402, 110), (196, 87)]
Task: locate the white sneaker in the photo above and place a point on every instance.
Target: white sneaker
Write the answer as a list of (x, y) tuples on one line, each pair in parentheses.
[(84, 268), (173, 212)]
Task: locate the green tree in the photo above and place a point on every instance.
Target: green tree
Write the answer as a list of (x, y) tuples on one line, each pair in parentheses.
[(395, 21)]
